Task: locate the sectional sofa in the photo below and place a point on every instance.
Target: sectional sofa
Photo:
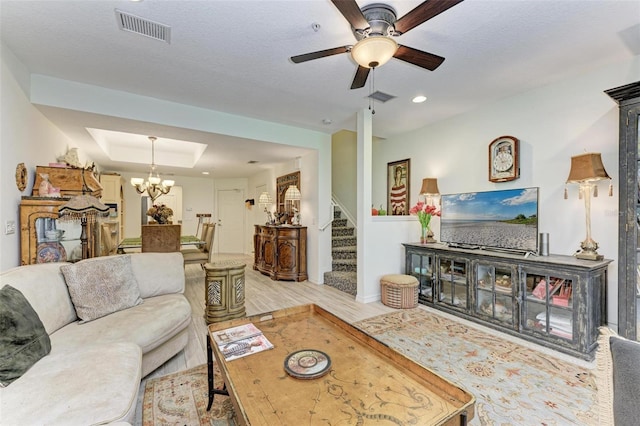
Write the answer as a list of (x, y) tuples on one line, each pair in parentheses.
[(105, 323)]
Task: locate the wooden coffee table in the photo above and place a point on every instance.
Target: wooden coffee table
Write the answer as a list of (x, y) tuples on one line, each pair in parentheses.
[(367, 381)]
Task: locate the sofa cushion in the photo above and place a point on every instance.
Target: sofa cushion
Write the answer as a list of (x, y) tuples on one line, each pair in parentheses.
[(23, 340), (155, 321), (43, 285), (96, 385), (158, 273), (101, 286)]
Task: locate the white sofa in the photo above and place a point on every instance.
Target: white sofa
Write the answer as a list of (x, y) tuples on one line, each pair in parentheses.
[(93, 372)]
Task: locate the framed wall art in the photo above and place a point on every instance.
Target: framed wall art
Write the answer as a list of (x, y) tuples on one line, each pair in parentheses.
[(282, 184), (398, 179), (504, 159)]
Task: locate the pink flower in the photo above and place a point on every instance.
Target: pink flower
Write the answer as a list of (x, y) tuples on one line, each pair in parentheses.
[(424, 212)]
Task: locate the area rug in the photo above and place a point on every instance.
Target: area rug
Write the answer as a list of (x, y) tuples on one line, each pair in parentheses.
[(181, 399), (513, 384)]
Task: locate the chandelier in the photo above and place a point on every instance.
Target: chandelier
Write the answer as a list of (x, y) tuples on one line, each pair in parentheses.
[(154, 186)]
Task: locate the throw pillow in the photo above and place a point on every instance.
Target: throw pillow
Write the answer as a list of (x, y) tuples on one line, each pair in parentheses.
[(23, 340), (625, 355), (101, 286)]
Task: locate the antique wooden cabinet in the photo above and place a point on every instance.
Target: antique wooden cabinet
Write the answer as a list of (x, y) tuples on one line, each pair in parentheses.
[(43, 236), (281, 252), (69, 180), (39, 243), (557, 301)]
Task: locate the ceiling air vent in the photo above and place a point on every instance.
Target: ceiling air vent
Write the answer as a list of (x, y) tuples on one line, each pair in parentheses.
[(145, 27), (381, 96)]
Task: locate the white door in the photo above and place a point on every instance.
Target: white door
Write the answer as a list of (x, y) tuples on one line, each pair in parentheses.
[(230, 228)]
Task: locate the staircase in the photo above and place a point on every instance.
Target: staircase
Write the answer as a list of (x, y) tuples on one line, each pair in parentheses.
[(343, 275)]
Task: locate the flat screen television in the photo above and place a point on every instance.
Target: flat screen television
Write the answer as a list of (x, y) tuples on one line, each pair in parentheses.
[(505, 219)]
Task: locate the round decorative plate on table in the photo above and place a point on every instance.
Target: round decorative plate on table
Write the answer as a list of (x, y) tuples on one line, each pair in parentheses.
[(50, 252), (307, 364)]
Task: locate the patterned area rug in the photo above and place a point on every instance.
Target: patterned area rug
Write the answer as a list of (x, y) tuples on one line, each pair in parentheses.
[(513, 384), (181, 399)]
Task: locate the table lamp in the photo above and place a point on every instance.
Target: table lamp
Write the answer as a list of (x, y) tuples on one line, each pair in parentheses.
[(292, 195), (85, 208), (586, 170), (266, 201), (429, 189)]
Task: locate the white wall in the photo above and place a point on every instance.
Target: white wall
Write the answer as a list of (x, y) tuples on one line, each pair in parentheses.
[(27, 136), (553, 123), (24, 131), (197, 197), (343, 170)]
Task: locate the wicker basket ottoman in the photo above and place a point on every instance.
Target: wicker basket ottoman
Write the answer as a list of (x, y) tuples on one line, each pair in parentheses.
[(399, 291)]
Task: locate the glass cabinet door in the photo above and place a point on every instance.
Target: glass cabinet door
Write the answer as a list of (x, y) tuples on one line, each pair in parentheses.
[(453, 282), (57, 241), (495, 288), (548, 305), (421, 267)]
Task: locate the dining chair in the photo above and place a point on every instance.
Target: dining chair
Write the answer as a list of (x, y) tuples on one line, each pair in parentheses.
[(160, 238), (108, 246), (202, 254)]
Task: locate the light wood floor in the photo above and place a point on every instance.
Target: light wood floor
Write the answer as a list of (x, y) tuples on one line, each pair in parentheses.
[(262, 295)]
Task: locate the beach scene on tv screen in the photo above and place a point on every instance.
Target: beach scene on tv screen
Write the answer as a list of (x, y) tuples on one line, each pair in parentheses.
[(505, 219)]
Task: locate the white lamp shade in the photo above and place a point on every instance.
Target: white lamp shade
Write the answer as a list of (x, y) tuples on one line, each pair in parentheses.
[(265, 199), (154, 180), (374, 51), (168, 183), (292, 194), (137, 181)]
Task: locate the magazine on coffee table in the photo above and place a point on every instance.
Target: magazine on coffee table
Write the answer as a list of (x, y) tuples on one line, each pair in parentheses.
[(244, 347), (233, 334), (239, 341)]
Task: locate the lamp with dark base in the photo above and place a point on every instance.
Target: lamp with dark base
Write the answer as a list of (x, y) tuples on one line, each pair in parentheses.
[(86, 208)]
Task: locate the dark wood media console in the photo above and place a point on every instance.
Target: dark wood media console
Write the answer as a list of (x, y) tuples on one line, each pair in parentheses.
[(557, 301)]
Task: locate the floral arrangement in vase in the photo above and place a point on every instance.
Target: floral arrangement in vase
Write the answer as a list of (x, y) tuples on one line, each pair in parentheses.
[(425, 212), (160, 214)]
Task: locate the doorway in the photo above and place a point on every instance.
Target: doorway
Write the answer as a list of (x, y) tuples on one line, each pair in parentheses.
[(231, 218)]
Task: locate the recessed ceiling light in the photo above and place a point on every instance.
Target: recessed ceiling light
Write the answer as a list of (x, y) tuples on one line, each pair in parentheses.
[(205, 173), (419, 99), (327, 121)]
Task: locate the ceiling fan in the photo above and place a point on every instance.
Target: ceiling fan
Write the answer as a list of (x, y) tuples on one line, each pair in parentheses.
[(374, 27)]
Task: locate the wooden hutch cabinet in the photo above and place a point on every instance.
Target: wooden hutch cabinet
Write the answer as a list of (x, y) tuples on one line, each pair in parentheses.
[(281, 252), (39, 215), (43, 236)]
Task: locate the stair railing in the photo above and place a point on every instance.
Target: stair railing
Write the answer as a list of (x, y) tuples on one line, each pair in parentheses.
[(332, 207), (335, 202)]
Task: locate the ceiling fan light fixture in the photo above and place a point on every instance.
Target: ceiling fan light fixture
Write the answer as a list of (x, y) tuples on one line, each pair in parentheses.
[(374, 51)]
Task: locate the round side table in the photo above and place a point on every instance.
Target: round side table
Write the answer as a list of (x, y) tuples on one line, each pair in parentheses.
[(224, 290)]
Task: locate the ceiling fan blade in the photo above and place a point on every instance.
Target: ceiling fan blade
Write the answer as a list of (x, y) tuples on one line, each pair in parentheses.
[(418, 57), (320, 54), (352, 13), (361, 77), (422, 13)]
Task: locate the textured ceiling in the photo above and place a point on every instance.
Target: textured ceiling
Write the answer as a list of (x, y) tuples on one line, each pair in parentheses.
[(233, 56)]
